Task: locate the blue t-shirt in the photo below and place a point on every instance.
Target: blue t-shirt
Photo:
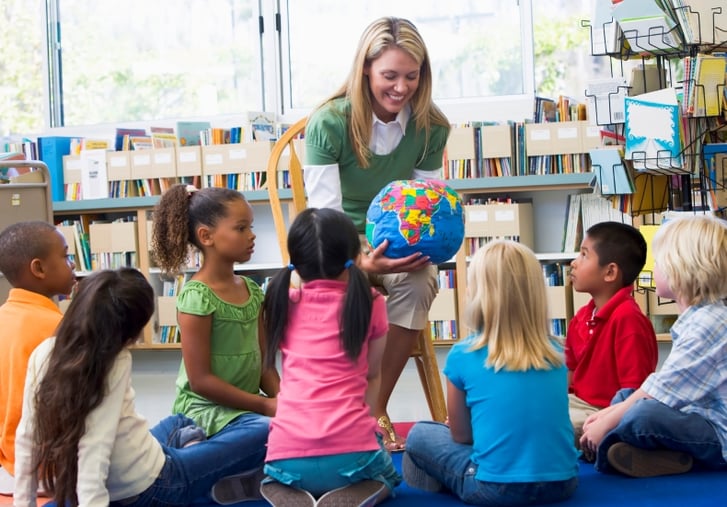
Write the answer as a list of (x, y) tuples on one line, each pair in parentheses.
[(521, 429)]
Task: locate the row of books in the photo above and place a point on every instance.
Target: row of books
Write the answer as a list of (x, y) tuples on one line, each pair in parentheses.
[(478, 149)]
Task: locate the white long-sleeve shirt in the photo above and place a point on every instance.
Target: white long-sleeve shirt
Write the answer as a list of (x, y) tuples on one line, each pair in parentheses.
[(117, 455), (323, 182)]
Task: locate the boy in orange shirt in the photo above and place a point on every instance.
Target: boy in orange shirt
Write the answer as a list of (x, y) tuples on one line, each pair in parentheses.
[(610, 344), (34, 259)]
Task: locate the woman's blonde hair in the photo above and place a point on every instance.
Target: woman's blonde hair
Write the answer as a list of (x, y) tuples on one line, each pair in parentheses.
[(381, 35), (508, 308), (691, 252)]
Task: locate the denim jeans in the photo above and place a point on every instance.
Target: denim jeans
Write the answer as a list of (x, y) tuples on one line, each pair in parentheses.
[(649, 424), (431, 448), (319, 474), (188, 474)]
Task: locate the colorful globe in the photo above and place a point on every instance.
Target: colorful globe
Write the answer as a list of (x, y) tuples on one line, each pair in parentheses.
[(416, 216)]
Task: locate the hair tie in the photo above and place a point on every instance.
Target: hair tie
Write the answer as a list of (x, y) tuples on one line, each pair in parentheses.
[(291, 267), (348, 264), (190, 190)]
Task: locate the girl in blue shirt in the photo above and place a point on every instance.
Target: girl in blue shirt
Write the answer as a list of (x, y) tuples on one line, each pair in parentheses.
[(509, 440)]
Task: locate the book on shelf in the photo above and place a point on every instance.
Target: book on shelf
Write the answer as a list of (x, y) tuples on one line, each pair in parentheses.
[(51, 150), (605, 100), (653, 131), (262, 125), (123, 135), (612, 175), (647, 26), (188, 132), (94, 175), (701, 21)]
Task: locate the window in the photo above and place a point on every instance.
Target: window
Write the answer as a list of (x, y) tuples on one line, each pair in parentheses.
[(139, 61), (476, 46)]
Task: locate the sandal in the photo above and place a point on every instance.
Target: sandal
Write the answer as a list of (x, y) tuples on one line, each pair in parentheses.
[(392, 441)]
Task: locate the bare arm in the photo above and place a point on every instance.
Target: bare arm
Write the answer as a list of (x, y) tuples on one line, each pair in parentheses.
[(270, 379), (460, 419), (196, 352), (374, 358)]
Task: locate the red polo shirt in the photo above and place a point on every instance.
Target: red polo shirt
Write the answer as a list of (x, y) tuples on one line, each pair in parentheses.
[(613, 350)]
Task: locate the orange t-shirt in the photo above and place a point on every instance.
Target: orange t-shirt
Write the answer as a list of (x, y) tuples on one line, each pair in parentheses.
[(26, 319)]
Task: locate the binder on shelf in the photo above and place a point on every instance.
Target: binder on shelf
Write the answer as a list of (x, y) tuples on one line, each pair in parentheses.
[(164, 163), (500, 220), (496, 141), (461, 144), (94, 175), (118, 164), (189, 161), (51, 150)]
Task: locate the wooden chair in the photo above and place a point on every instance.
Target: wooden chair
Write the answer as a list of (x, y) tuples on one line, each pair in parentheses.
[(286, 155)]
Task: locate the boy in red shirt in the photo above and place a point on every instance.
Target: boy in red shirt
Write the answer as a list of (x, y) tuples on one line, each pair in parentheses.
[(34, 259), (610, 344)]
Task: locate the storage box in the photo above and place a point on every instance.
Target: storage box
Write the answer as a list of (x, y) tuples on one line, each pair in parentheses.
[(513, 221)]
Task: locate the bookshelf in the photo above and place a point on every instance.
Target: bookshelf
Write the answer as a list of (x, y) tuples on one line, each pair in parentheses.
[(675, 55), (97, 217)]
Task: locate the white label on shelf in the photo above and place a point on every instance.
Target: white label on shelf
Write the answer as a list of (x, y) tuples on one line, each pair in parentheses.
[(142, 160), (238, 154), (505, 216), (593, 131), (188, 156), (213, 159), (117, 161), (540, 135), (477, 216), (567, 132), (162, 158)]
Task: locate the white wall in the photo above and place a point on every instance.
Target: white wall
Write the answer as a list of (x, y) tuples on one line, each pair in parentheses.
[(155, 371)]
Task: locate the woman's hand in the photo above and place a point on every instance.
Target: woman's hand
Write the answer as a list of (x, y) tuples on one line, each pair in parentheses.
[(378, 263)]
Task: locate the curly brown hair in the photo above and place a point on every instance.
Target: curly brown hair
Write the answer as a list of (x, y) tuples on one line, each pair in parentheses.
[(178, 214)]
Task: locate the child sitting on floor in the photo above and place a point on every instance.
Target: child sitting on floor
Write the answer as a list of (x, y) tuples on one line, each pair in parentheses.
[(610, 344), (509, 440), (80, 433), (34, 259), (679, 414), (331, 334)]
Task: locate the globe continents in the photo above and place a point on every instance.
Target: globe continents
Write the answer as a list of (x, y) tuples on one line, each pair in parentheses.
[(416, 216)]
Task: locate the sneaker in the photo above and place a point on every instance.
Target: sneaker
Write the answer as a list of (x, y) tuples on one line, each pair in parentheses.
[(242, 487), (360, 494), (418, 478), (280, 495), (637, 462)]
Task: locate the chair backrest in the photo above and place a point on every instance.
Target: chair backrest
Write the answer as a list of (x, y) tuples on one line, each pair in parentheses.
[(285, 156)]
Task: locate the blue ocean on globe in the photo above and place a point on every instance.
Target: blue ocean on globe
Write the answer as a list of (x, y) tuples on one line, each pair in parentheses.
[(416, 216)]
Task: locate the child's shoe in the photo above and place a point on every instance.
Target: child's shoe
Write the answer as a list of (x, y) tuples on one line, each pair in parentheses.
[(418, 478), (242, 487), (280, 495), (361, 494), (636, 462)]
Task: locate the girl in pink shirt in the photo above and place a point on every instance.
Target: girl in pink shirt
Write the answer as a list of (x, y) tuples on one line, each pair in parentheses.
[(323, 440)]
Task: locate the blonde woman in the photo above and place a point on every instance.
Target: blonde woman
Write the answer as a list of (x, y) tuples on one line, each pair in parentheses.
[(509, 440), (379, 126)]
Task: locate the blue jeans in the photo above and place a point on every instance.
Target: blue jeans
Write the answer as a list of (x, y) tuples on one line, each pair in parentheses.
[(190, 472), (431, 448), (649, 424), (319, 474)]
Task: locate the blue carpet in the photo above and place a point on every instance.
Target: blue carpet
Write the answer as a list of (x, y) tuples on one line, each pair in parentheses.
[(695, 489)]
